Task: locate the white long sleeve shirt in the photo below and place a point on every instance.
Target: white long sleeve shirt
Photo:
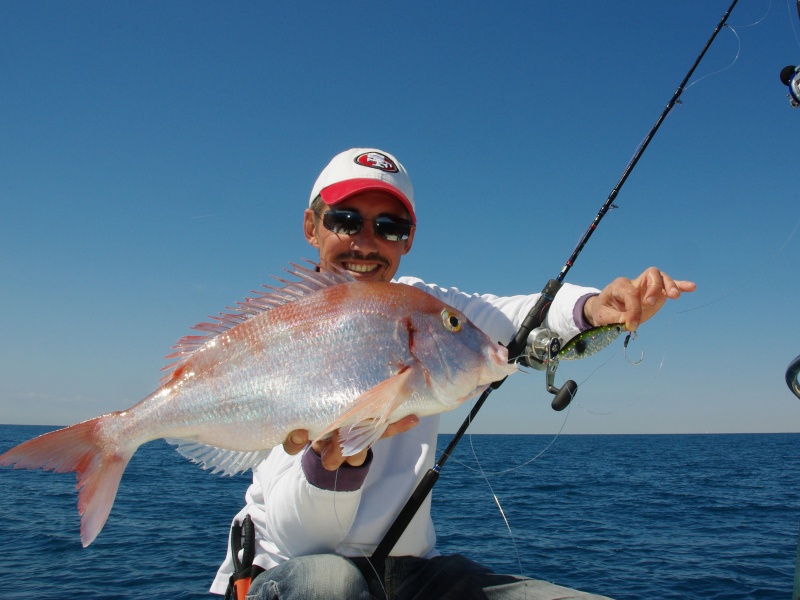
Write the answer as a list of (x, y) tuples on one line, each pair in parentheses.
[(299, 509)]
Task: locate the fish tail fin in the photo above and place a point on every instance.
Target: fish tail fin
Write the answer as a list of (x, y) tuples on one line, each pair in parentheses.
[(98, 466)]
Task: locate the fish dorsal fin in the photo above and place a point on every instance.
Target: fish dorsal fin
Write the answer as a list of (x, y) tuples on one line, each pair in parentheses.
[(365, 422), (308, 282), (219, 460)]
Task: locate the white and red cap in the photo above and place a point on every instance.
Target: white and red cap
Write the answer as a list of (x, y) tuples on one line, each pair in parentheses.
[(364, 169)]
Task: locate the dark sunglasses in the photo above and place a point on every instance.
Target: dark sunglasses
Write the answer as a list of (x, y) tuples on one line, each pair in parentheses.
[(349, 222)]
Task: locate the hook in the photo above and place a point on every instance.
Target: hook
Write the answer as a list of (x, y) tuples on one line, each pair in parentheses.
[(631, 336)]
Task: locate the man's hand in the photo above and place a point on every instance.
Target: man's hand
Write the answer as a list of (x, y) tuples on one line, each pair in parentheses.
[(634, 301), (331, 451)]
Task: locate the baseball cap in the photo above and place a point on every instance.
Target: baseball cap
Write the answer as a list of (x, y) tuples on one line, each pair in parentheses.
[(362, 169)]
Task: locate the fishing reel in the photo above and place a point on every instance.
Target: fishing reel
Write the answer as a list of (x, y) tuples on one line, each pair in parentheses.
[(790, 77), (542, 352)]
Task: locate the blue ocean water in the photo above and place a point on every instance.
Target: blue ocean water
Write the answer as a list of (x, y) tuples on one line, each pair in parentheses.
[(633, 516)]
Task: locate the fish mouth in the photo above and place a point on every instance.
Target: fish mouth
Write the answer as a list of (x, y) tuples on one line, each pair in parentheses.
[(499, 368), (498, 357)]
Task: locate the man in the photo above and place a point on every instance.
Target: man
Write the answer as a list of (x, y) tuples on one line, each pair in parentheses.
[(319, 515)]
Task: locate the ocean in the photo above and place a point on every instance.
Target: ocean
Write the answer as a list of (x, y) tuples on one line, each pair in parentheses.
[(628, 516)]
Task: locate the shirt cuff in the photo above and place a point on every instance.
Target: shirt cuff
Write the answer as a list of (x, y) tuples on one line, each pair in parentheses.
[(577, 313), (346, 478)]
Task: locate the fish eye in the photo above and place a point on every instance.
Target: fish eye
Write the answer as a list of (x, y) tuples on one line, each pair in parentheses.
[(451, 320)]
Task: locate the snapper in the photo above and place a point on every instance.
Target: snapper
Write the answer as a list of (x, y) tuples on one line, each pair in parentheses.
[(321, 353)]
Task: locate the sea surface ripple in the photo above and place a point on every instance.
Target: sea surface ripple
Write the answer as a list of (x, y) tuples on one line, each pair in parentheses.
[(628, 516)]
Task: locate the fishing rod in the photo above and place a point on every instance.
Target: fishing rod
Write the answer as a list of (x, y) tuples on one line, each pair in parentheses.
[(547, 350)]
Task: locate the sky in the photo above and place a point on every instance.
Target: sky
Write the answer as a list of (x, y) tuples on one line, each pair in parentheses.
[(155, 160)]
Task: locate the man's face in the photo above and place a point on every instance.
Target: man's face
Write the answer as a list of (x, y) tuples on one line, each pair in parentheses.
[(365, 255)]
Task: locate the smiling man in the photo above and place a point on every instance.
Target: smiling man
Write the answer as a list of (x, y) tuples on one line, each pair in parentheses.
[(361, 214), (318, 515)]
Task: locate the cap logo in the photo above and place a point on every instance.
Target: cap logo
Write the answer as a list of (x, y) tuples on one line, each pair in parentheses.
[(376, 160)]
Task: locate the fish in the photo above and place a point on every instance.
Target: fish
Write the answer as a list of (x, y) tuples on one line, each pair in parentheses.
[(321, 352)]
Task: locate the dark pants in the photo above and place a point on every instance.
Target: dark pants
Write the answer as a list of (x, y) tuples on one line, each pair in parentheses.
[(333, 577)]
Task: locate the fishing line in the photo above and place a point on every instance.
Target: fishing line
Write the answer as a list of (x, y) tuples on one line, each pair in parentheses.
[(480, 469), (342, 528), (732, 29), (722, 70), (746, 282), (583, 405), (760, 19), (725, 296), (601, 366), (669, 326), (378, 575), (346, 531), (535, 318), (639, 148), (624, 407), (791, 20), (519, 466), (499, 507)]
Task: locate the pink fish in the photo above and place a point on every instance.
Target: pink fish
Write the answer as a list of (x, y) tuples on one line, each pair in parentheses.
[(321, 353)]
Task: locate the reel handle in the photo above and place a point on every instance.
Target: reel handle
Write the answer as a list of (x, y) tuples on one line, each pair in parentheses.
[(563, 395)]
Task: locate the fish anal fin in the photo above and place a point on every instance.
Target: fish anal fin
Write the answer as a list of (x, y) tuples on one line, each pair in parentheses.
[(365, 422), (219, 460)]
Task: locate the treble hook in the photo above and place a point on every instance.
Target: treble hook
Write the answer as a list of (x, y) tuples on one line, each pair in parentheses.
[(631, 335)]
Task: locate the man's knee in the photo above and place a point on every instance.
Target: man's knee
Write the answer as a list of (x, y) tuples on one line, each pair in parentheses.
[(317, 576)]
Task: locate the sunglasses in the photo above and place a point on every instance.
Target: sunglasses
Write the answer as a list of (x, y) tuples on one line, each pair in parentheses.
[(349, 222)]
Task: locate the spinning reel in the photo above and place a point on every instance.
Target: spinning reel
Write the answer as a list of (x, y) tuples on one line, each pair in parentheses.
[(542, 352)]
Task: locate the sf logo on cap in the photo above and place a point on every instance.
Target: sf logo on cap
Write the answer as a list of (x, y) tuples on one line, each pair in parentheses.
[(376, 160)]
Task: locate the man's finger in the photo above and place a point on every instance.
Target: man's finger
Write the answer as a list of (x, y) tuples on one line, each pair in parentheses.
[(401, 426), (331, 453), (295, 441)]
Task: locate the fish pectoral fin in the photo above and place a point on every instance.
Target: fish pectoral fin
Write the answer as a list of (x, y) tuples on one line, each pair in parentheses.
[(360, 435), (219, 460), (370, 413)]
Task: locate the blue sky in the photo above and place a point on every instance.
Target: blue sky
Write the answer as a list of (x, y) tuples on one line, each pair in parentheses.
[(156, 159)]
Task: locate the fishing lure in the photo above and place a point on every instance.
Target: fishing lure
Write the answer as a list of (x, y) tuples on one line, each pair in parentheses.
[(590, 342)]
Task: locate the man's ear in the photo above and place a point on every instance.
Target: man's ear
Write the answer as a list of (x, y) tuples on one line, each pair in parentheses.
[(310, 228)]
